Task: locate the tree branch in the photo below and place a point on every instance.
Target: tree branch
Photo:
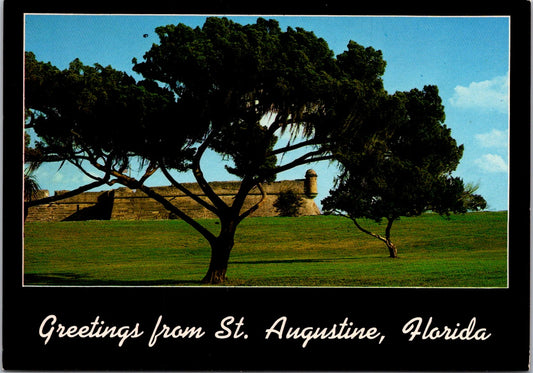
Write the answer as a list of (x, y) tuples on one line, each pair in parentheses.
[(68, 194), (133, 183), (187, 192), (219, 204), (170, 207), (367, 231), (305, 159), (85, 172), (389, 226), (256, 206), (289, 148), (152, 168), (32, 155), (276, 124)]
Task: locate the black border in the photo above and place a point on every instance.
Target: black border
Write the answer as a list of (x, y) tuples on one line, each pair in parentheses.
[(505, 312)]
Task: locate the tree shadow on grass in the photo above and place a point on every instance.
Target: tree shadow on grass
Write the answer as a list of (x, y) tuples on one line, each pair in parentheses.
[(291, 261), (76, 279)]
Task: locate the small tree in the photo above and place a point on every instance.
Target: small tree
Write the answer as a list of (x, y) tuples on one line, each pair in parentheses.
[(288, 203), (31, 186), (404, 169), (472, 201)]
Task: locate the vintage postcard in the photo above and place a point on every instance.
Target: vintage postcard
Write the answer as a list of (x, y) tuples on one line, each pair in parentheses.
[(285, 188)]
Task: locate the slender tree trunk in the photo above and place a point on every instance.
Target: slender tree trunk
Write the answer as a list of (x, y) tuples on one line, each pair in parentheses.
[(220, 253), (393, 252)]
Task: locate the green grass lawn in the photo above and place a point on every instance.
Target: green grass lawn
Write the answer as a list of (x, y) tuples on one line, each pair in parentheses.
[(463, 251)]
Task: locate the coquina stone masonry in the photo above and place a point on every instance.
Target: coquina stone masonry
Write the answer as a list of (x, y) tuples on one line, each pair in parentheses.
[(128, 204)]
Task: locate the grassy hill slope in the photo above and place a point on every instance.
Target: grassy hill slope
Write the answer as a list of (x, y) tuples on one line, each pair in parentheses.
[(463, 251)]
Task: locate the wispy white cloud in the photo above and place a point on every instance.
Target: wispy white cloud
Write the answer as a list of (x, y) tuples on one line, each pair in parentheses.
[(58, 178), (49, 176), (487, 95), (492, 163), (493, 139)]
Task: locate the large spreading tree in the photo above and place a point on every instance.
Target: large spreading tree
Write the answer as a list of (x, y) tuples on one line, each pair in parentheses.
[(230, 88), (404, 169), (99, 104)]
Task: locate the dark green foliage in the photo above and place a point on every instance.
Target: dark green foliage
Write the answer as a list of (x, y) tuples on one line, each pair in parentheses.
[(404, 168), (222, 79), (214, 87), (472, 201), (363, 64), (288, 203), (85, 112)]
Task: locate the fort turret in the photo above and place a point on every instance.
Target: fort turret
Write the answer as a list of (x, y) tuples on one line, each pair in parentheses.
[(310, 186)]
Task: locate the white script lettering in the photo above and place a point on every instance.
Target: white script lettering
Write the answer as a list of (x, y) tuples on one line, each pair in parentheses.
[(344, 330), (416, 327), (176, 332), (227, 332), (95, 329)]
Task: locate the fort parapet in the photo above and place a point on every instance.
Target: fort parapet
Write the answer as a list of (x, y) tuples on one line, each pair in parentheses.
[(128, 204)]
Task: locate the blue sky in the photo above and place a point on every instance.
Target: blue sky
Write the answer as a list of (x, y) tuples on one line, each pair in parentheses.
[(466, 57)]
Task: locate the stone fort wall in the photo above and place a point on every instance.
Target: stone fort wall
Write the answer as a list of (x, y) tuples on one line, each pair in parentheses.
[(127, 204)]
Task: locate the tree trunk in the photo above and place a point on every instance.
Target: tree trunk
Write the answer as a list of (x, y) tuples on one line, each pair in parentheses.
[(393, 252), (216, 274), (220, 252)]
